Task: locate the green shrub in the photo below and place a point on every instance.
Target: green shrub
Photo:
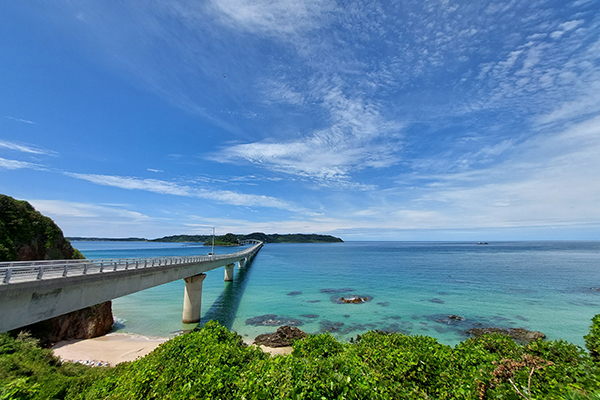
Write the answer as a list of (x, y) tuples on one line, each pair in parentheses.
[(30, 372), (323, 345), (592, 340)]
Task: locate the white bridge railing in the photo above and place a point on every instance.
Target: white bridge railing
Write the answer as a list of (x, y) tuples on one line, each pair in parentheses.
[(22, 271)]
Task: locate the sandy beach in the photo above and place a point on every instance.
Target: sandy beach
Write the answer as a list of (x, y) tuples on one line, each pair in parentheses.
[(116, 348), (112, 349)]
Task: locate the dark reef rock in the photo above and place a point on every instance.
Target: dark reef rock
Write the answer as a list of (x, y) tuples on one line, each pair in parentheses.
[(344, 329), (285, 336), (436, 300), (519, 335), (310, 315), (86, 323), (273, 320), (450, 319), (330, 326), (350, 299), (294, 293), (353, 299), (383, 303), (334, 291)]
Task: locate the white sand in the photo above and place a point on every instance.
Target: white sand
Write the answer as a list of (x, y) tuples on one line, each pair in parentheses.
[(116, 348), (113, 348)]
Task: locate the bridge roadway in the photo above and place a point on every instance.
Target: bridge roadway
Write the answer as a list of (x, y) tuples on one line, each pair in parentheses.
[(33, 291)]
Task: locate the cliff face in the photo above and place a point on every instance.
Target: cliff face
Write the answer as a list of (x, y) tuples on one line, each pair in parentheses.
[(86, 323), (27, 235)]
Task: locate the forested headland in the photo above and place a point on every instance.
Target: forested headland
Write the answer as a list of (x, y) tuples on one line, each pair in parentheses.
[(263, 237)]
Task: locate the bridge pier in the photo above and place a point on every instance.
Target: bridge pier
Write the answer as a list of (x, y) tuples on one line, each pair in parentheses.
[(229, 272), (242, 262), (192, 298)]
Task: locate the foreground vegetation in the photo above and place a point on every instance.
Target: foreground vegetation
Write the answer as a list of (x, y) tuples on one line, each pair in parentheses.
[(213, 363)]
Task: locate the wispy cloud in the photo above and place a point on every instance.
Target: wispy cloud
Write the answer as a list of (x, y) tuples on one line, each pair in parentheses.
[(24, 148), (549, 180), (176, 189), (272, 17), (90, 219), (25, 121), (59, 208), (358, 138), (14, 164)]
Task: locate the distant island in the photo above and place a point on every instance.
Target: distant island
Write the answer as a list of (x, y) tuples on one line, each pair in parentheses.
[(226, 240)]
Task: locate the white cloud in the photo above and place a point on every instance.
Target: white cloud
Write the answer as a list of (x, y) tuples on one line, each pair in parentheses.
[(549, 180), (358, 137), (24, 148), (570, 25), (59, 208), (171, 188), (25, 121), (275, 17), (97, 220), (14, 164), (566, 27)]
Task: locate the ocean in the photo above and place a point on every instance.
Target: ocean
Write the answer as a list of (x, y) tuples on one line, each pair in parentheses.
[(411, 287)]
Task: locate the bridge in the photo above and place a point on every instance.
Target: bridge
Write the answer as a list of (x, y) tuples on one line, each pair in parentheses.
[(33, 291)]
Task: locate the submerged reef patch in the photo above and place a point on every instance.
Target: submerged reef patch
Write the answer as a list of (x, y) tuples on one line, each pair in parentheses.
[(273, 320)]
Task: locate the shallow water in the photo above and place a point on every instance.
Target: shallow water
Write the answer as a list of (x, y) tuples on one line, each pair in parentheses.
[(411, 287)]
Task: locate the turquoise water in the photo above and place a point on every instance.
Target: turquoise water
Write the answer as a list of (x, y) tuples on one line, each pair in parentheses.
[(412, 287)]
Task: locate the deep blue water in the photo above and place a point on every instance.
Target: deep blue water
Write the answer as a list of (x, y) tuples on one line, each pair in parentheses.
[(412, 287)]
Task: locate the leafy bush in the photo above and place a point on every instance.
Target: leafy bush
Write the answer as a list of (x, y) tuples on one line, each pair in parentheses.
[(317, 346), (592, 340), (30, 372)]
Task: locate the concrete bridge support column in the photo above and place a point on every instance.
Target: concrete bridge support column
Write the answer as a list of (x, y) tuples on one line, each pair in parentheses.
[(242, 262), (229, 272), (192, 298)]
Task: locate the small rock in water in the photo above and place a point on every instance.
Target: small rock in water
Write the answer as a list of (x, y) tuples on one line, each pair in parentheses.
[(436, 300), (295, 293), (383, 303), (313, 301), (353, 299), (350, 299), (310, 315)]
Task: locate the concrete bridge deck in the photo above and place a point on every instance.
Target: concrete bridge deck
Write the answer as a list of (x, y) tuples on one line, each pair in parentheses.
[(33, 291)]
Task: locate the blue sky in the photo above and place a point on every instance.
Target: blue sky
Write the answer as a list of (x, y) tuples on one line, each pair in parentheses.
[(407, 120)]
